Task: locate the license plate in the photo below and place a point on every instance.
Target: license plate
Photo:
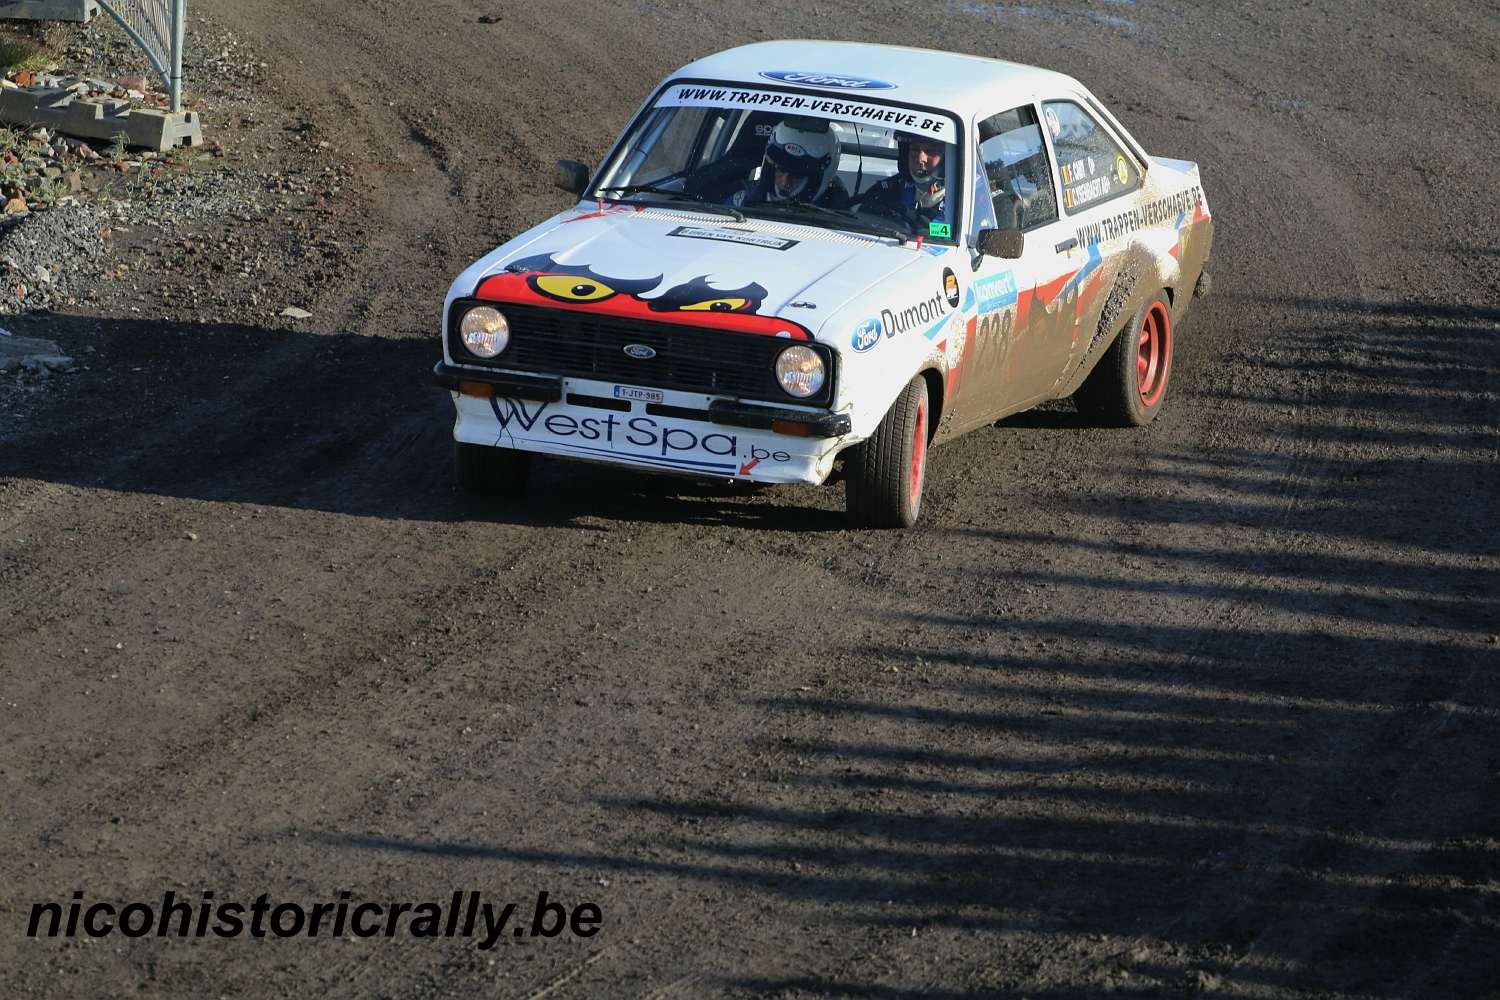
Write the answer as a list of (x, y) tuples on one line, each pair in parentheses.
[(645, 395)]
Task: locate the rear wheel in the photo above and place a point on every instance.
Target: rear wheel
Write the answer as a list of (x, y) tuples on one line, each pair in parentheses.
[(499, 472), (1129, 385), (884, 476)]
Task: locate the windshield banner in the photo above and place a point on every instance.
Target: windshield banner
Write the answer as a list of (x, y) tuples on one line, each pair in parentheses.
[(937, 126)]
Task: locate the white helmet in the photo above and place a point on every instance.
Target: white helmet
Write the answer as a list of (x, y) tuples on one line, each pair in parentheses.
[(807, 152)]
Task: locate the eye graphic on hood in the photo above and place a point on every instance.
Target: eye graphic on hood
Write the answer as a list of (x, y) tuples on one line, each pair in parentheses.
[(539, 280), (569, 288), (573, 283), (719, 305), (699, 296)]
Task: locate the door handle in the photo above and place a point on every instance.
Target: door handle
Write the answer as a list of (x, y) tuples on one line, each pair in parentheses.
[(1071, 243)]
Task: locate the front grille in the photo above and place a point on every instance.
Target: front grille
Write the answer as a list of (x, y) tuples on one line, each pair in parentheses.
[(691, 358)]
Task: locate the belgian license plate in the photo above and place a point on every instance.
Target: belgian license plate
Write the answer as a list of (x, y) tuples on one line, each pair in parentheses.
[(645, 395)]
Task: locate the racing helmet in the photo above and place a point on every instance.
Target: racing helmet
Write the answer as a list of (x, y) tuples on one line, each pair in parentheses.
[(930, 185), (807, 152)]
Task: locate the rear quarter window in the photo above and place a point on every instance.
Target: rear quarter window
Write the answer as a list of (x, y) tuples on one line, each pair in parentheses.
[(1093, 167)]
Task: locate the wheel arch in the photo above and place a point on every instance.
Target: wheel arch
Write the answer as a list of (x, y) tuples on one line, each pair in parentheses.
[(1133, 287), (935, 391)]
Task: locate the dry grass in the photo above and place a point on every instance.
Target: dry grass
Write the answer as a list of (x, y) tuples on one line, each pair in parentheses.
[(20, 52)]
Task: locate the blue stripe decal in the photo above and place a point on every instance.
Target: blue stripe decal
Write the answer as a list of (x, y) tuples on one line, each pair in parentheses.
[(1088, 268)]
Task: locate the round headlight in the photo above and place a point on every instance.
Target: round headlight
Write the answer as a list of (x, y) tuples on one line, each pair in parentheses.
[(484, 331), (800, 371)]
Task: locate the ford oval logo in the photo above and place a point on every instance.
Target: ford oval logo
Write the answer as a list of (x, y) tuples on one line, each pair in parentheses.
[(866, 335), (640, 351), (832, 80)]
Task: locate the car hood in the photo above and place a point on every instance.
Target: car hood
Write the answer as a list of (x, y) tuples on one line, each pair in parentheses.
[(688, 267)]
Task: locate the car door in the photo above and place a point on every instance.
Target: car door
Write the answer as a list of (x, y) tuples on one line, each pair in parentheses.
[(1098, 179), (1013, 338)]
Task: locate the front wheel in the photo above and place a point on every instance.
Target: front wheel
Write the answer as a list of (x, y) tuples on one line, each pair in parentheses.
[(499, 472), (1129, 384), (883, 476)]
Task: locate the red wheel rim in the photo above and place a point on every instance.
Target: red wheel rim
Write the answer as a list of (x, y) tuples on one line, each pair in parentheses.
[(918, 454), (1153, 359)]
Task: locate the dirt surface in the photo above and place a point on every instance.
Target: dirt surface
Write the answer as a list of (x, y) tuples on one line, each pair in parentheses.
[(1209, 708)]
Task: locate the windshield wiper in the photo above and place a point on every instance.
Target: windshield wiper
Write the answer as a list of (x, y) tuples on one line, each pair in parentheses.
[(844, 215), (733, 213)]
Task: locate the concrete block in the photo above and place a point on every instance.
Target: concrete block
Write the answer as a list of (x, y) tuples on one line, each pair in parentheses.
[(61, 110), (49, 10)]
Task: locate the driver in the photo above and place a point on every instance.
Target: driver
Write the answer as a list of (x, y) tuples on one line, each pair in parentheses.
[(801, 164), (918, 190)]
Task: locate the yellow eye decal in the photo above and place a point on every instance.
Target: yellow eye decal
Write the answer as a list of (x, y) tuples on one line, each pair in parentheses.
[(717, 305), (571, 288)]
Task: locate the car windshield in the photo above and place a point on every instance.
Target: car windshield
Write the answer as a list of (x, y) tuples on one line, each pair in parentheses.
[(830, 161)]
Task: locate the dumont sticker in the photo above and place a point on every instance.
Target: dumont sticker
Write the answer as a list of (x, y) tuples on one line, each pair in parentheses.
[(1122, 170), (913, 317), (741, 236), (950, 286), (937, 126), (866, 335), (829, 80)]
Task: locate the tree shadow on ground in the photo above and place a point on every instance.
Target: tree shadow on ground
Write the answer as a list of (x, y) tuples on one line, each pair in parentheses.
[(1259, 762)]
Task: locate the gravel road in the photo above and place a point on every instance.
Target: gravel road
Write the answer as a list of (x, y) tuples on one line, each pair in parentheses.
[(1206, 709)]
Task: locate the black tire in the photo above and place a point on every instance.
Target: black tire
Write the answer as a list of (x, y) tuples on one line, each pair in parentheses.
[(496, 472), (1129, 385), (884, 476)]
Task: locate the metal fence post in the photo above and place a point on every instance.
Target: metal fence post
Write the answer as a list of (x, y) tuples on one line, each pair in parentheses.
[(179, 34), (159, 27)]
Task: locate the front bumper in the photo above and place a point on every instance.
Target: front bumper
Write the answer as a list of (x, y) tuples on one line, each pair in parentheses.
[(675, 432)]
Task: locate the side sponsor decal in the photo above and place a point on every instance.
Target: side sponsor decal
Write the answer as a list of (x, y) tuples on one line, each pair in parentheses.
[(996, 291), (742, 236), (912, 317), (939, 127), (541, 280), (1083, 182), (835, 81), (639, 440), (1152, 213), (950, 287)]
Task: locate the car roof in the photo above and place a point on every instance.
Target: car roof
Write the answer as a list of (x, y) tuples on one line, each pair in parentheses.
[(964, 84)]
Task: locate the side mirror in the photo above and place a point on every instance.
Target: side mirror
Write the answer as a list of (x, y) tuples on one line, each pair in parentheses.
[(571, 176), (1006, 243)]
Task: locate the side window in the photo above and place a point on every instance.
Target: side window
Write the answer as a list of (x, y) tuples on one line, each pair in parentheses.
[(1015, 162), (1092, 165)]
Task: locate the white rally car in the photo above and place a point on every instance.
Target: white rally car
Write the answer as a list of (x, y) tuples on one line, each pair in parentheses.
[(786, 263)]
